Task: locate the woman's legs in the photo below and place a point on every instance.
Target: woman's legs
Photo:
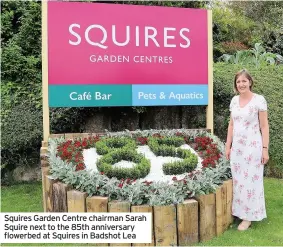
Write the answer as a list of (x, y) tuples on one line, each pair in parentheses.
[(245, 224)]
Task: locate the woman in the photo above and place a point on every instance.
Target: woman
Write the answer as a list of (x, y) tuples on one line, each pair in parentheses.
[(247, 150)]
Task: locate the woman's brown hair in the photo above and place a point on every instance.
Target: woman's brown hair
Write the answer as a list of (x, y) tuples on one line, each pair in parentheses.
[(245, 73)]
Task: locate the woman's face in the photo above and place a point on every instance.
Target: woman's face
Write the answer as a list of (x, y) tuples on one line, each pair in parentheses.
[(243, 84)]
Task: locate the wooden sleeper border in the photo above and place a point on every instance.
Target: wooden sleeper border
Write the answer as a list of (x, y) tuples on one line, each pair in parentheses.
[(194, 220)]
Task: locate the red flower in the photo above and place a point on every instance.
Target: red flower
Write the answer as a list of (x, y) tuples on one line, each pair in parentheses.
[(157, 135), (179, 134), (142, 140), (148, 182), (80, 166), (77, 144)]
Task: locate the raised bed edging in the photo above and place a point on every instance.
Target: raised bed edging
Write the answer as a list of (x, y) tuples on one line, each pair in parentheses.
[(194, 220), (198, 219)]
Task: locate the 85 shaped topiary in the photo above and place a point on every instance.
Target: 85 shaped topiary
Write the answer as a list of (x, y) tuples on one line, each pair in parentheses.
[(139, 170)]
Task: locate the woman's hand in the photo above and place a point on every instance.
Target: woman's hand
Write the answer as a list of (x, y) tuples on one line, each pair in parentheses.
[(265, 156), (227, 152)]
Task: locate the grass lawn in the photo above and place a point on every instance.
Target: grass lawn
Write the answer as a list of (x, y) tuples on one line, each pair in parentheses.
[(269, 232)]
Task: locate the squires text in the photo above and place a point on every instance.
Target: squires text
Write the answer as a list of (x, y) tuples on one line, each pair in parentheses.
[(150, 33)]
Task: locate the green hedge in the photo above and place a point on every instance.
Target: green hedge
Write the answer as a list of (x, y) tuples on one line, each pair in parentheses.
[(139, 170), (165, 146), (22, 132), (268, 81), (21, 138), (107, 145), (179, 167)]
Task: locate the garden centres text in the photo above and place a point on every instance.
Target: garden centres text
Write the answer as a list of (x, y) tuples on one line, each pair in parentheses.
[(127, 59)]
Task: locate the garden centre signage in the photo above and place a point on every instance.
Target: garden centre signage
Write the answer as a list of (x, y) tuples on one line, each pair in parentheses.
[(126, 55)]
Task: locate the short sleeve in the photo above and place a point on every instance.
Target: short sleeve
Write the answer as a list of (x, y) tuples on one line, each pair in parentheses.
[(232, 103), (262, 104)]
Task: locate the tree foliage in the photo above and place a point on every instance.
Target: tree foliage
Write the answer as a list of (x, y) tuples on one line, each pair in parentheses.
[(21, 54), (232, 31), (180, 4), (267, 16), (238, 25)]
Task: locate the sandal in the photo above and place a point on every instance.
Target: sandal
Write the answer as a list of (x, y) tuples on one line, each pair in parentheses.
[(244, 225)]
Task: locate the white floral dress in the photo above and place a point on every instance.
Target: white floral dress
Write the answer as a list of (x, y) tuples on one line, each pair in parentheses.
[(245, 159)]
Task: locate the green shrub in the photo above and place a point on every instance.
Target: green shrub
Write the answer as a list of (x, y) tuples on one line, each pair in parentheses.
[(139, 170), (180, 167), (171, 141), (184, 153), (274, 42), (22, 131), (21, 137), (165, 146), (256, 56), (268, 81), (107, 145)]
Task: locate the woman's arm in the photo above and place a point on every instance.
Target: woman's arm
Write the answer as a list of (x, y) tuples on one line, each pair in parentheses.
[(230, 133), (264, 127), (229, 138)]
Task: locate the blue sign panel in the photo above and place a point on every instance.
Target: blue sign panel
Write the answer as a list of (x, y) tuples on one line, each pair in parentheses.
[(149, 95)]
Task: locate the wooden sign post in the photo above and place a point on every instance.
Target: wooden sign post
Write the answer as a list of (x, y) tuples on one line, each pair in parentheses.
[(209, 110), (45, 104)]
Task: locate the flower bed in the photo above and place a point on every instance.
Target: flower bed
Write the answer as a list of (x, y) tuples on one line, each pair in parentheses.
[(67, 164)]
